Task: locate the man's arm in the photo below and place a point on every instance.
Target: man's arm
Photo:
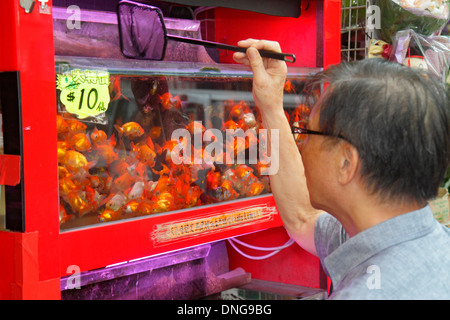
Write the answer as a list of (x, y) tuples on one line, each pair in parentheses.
[(289, 183)]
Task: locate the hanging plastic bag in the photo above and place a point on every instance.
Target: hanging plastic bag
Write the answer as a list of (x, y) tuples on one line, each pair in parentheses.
[(425, 17), (415, 50)]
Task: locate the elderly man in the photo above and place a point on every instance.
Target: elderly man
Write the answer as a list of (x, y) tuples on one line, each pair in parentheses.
[(376, 149)]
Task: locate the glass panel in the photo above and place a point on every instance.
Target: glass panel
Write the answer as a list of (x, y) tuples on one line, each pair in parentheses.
[(162, 144)]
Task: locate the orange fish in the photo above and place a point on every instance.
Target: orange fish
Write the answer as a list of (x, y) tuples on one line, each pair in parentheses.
[(61, 149), (248, 121), (108, 215), (116, 87), (118, 167), (145, 208), (131, 207), (63, 216), (256, 188), (106, 153), (61, 125), (230, 125), (236, 112), (80, 142), (74, 160), (230, 175), (195, 127), (63, 172), (131, 130), (155, 132), (115, 201), (78, 203), (144, 153), (98, 137), (169, 102), (76, 126), (288, 87), (212, 179), (123, 182), (66, 186), (193, 196), (168, 147), (243, 172), (163, 202), (226, 192)]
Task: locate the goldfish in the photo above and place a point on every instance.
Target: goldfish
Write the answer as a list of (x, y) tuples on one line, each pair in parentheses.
[(243, 172), (74, 160), (145, 208), (163, 202), (155, 132), (248, 121), (106, 153), (150, 143), (137, 190), (78, 203), (115, 201), (131, 207), (108, 215), (195, 127), (193, 196), (76, 126), (236, 112), (262, 169), (118, 167), (226, 192), (144, 153), (168, 101), (255, 189), (61, 125), (63, 216), (212, 179), (98, 137), (116, 87), (80, 142), (230, 175), (131, 130), (123, 182), (288, 87), (168, 147), (230, 125), (66, 185), (63, 172), (61, 149)]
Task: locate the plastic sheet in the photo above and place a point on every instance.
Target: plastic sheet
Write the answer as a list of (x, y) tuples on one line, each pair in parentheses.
[(415, 50), (424, 17)]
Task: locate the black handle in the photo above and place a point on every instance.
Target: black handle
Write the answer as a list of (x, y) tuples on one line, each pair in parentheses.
[(264, 53)]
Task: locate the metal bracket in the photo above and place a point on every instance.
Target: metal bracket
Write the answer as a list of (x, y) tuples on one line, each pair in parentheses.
[(28, 5)]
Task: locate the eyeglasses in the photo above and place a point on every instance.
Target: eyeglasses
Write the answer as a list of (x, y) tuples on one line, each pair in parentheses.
[(300, 132)]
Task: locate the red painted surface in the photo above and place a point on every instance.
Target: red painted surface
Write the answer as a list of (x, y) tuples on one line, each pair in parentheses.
[(31, 263), (296, 35)]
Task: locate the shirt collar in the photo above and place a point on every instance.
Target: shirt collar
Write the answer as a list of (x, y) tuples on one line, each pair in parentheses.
[(369, 242)]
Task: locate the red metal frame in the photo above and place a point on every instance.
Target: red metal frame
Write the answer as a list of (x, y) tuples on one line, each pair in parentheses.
[(32, 262)]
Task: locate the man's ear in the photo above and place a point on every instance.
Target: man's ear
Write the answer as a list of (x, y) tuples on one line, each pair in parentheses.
[(348, 163)]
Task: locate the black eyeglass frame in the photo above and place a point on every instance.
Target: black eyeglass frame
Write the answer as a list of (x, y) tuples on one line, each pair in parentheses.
[(298, 130)]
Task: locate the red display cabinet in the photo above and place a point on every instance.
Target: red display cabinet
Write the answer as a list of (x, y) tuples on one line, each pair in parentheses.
[(117, 195)]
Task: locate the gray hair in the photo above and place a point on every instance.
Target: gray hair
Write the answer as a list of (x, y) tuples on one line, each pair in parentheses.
[(398, 119)]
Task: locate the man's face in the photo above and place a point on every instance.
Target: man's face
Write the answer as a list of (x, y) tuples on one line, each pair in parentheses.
[(317, 158)]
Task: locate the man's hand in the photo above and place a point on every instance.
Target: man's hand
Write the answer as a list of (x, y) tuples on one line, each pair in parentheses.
[(269, 74)]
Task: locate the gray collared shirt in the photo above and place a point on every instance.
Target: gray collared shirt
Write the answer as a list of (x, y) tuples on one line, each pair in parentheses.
[(406, 257)]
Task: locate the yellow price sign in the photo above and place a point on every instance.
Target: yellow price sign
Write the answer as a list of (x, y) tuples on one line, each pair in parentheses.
[(84, 92)]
